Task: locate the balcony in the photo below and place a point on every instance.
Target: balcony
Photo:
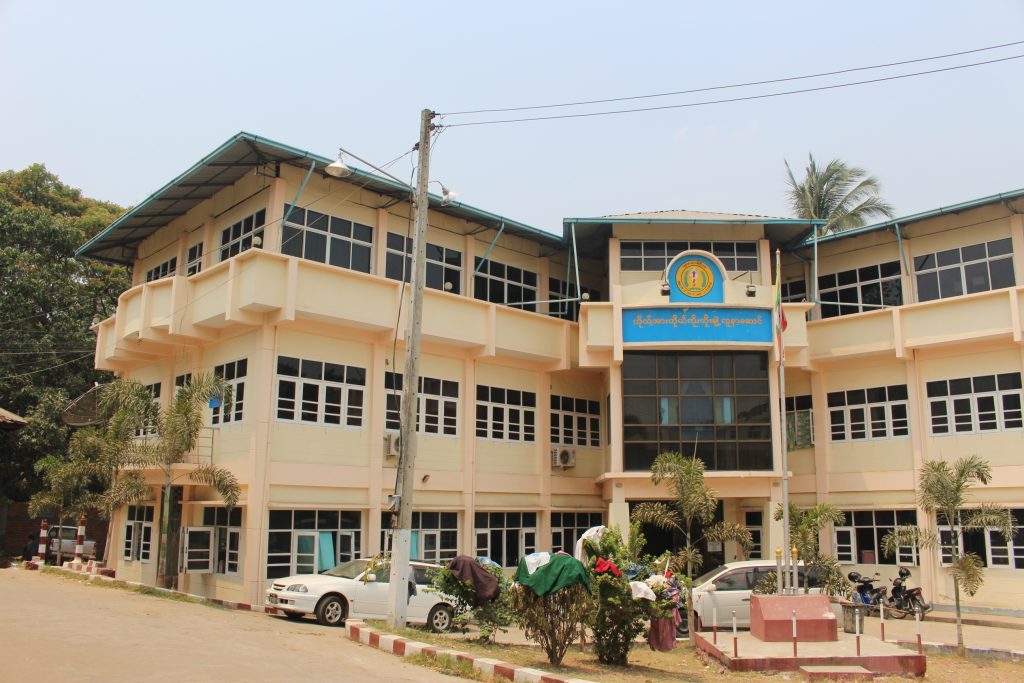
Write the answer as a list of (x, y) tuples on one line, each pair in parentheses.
[(258, 287)]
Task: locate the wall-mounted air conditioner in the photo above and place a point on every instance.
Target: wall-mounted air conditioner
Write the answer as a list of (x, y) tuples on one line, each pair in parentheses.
[(391, 442), (563, 457)]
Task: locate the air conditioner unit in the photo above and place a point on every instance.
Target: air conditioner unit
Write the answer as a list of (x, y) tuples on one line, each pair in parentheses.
[(563, 457), (391, 442)]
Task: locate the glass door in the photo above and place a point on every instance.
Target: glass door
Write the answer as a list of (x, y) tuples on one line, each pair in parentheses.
[(304, 551)]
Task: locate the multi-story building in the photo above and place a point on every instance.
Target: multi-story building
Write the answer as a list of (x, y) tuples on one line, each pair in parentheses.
[(555, 368)]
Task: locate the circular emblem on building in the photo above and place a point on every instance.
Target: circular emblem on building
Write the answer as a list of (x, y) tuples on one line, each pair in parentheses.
[(694, 279)]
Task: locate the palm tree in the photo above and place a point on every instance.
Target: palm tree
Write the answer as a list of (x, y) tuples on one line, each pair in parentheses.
[(805, 526), (178, 429), (847, 197), (67, 491), (691, 512), (942, 489)]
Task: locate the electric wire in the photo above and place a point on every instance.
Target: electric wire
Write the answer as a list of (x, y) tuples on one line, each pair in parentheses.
[(53, 367), (734, 99), (734, 85)]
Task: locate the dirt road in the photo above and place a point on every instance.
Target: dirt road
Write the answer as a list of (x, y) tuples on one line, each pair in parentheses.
[(58, 629)]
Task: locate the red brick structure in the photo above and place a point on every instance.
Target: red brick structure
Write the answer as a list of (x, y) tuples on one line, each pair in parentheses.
[(16, 525), (771, 618)]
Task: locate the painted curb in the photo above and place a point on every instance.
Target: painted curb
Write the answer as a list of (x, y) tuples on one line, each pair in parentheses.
[(359, 632)]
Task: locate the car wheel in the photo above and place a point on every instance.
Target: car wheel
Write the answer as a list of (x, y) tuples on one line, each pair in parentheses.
[(331, 611), (294, 616), (440, 618)]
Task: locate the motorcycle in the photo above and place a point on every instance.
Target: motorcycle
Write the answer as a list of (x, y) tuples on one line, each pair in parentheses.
[(865, 592), (903, 601)]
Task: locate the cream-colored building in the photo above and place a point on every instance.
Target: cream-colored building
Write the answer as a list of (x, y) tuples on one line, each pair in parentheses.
[(554, 369)]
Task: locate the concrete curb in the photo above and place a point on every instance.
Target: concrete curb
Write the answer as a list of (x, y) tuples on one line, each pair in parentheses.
[(359, 632), (949, 649)]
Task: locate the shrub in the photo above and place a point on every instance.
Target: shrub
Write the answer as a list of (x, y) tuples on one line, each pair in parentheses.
[(552, 619), (491, 617), (618, 618)]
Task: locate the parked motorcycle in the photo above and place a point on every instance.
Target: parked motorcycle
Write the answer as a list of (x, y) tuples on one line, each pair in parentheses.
[(903, 600), (865, 592)]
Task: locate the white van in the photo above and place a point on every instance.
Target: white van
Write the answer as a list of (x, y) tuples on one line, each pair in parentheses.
[(728, 587)]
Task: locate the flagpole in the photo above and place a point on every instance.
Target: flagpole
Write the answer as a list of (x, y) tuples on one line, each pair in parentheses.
[(789, 578)]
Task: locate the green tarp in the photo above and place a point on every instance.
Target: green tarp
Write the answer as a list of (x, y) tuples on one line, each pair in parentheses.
[(560, 572)]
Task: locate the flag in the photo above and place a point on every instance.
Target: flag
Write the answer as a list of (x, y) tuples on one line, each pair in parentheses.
[(780, 314)]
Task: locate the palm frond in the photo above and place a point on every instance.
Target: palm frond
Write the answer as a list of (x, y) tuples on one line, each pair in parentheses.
[(220, 479), (970, 469), (724, 532), (130, 488), (684, 559), (967, 571), (906, 535), (989, 515), (659, 515), (844, 196)]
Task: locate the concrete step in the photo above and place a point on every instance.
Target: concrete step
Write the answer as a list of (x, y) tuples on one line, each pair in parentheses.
[(836, 673)]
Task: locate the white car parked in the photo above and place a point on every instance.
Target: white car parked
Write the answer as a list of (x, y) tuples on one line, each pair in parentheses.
[(728, 587), (348, 591)]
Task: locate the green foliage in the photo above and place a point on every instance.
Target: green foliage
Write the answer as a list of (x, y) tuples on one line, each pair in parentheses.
[(48, 301), (805, 525), (617, 618), (551, 620), (844, 196), (491, 617)]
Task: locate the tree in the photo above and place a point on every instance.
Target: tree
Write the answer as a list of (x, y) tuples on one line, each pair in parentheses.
[(48, 301), (844, 196), (942, 489), (691, 512), (178, 429), (551, 620), (67, 490), (618, 617), (805, 526)]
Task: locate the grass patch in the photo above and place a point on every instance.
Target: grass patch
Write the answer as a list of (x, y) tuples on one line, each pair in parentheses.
[(451, 667), (122, 585)]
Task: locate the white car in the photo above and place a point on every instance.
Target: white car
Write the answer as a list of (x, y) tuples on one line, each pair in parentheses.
[(349, 591), (728, 587)]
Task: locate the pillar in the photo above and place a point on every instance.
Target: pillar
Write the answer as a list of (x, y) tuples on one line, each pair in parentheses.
[(44, 528), (80, 540)]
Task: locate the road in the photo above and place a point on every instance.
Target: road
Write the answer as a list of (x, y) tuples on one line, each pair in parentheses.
[(58, 629)]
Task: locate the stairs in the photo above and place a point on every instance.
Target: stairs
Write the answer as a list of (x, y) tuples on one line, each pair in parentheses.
[(836, 673)]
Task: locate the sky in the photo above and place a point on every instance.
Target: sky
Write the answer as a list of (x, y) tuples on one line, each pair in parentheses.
[(117, 98)]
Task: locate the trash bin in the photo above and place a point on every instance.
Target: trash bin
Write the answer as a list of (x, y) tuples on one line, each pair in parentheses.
[(851, 613)]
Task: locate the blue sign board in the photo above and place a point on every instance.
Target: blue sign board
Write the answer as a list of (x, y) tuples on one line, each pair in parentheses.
[(697, 324), (694, 278)]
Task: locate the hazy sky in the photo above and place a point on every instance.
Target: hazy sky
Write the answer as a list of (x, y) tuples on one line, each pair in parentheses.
[(119, 97)]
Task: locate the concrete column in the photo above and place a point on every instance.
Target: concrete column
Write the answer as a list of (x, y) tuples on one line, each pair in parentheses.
[(1017, 235), (467, 427), (543, 427), (766, 260), (917, 404), (618, 509), (380, 240), (211, 245), (276, 199), (262, 369), (615, 417), (375, 461)]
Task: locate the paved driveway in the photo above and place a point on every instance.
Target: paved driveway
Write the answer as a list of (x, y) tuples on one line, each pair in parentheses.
[(58, 629)]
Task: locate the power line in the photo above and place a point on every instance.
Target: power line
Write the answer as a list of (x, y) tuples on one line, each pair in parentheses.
[(52, 367), (736, 85), (734, 99)]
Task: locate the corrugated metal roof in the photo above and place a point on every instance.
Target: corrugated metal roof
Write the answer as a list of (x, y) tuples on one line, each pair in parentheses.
[(686, 214), (808, 240), (225, 165)]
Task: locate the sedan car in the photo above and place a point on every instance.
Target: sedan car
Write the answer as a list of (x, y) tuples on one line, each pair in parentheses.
[(350, 590)]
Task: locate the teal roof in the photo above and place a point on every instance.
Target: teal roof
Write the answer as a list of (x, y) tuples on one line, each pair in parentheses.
[(808, 240), (241, 154)]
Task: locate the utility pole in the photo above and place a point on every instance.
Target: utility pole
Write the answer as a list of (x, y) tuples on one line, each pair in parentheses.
[(398, 595)]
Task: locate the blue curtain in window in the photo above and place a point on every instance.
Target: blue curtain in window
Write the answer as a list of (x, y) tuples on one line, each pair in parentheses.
[(326, 559)]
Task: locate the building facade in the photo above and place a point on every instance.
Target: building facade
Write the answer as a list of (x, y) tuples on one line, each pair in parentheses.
[(554, 369)]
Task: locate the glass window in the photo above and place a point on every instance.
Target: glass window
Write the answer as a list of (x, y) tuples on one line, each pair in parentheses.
[(315, 236), (241, 236), (974, 268)]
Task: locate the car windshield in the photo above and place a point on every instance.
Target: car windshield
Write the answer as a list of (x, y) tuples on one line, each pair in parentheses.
[(707, 576), (348, 570)]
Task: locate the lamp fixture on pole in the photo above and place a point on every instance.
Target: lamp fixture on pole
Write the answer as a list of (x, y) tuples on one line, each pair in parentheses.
[(338, 168)]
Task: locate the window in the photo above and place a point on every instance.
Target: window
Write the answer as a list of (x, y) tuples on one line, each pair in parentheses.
[(974, 405), (165, 269), (149, 425), (194, 259), (242, 235), (505, 536), (227, 526), (568, 527), (197, 550), (859, 540), (435, 535), (965, 270), (506, 414), (1006, 553), (138, 533), (737, 580), (181, 380), (794, 291), (575, 421), (316, 236), (714, 405), (444, 265), (438, 409), (316, 392), (754, 521), (655, 256), (310, 541), (559, 294), (504, 284), (875, 413), (799, 422), (860, 289), (234, 374)]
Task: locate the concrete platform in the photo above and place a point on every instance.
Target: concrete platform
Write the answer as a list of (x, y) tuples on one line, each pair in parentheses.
[(754, 655), (836, 673)]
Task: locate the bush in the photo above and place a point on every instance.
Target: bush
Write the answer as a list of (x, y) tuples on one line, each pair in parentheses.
[(618, 618), (551, 620), (491, 617)]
